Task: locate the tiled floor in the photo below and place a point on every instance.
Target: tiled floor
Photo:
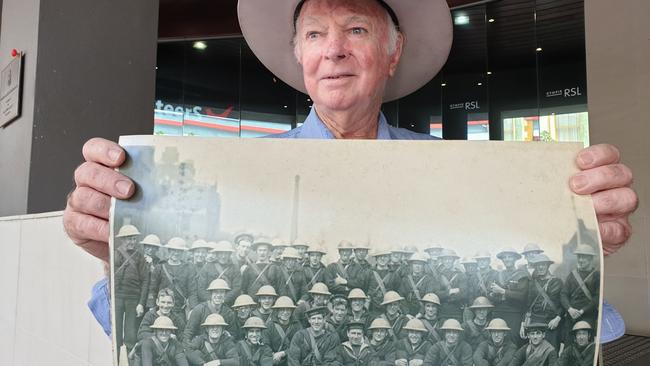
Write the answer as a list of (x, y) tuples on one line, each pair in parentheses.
[(627, 351)]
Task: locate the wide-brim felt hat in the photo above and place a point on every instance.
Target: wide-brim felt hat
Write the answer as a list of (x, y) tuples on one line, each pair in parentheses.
[(268, 27)]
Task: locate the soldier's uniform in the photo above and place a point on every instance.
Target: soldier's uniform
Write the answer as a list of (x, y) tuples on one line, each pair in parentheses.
[(544, 354), (405, 350), (349, 355), (278, 336), (201, 351), (414, 287), (544, 299), (475, 333), (337, 270), (254, 354), (200, 313), (156, 353), (314, 274), (287, 282), (150, 316), (255, 276), (380, 281), (480, 281), (397, 321), (308, 349), (579, 355), (489, 354), (451, 305), (511, 306), (444, 354), (214, 270), (581, 290)]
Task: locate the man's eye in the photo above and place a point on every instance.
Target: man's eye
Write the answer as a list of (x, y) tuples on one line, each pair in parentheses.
[(358, 30), (312, 35)]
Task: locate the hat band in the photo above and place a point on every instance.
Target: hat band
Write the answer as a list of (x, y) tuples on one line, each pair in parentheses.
[(388, 9)]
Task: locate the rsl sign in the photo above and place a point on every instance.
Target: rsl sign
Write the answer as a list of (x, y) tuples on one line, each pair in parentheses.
[(564, 93)]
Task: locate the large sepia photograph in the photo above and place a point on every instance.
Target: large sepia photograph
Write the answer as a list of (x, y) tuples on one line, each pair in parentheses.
[(296, 252)]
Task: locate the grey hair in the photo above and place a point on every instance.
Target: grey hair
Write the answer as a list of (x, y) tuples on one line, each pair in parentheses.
[(391, 44)]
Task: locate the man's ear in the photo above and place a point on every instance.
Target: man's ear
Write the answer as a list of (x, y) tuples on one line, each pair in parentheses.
[(396, 55)]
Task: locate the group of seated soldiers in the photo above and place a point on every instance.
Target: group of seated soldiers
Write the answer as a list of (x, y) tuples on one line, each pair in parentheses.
[(212, 304)]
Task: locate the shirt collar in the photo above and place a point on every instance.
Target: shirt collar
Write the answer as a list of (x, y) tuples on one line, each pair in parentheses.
[(314, 128)]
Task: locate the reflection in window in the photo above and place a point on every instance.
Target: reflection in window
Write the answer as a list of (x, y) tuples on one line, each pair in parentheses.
[(568, 127)]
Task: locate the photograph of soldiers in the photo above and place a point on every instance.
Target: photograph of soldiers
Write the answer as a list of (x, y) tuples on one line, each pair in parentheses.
[(411, 350), (392, 312), (243, 308), (381, 344), (281, 327), (287, 277), (314, 345), (538, 351), (337, 278), (498, 349), (252, 351), (452, 350), (131, 275), (255, 274), (213, 347), (355, 351), (581, 292), (430, 318), (509, 293), (544, 298), (164, 306), (454, 288), (215, 305), (313, 268), (221, 268), (581, 350), (265, 297), (162, 349), (475, 328), (415, 282), (318, 296), (176, 275)]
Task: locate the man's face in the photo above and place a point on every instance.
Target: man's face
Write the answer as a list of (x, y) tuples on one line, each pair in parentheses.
[(447, 262), (223, 258), (508, 260), (214, 331), (497, 336), (176, 255), (243, 248), (165, 304), (355, 336), (290, 263), (339, 311), (535, 336), (584, 262), (163, 335), (262, 253), (284, 314), (430, 310), (529, 255), (470, 267), (266, 301), (481, 314), (254, 335), (379, 335), (314, 259), (277, 252), (244, 312), (319, 299), (414, 336), (211, 257), (418, 268), (301, 250), (199, 254), (357, 304), (392, 308), (130, 241), (345, 254), (541, 269), (342, 47), (396, 257), (483, 263), (361, 254), (316, 321), (382, 260), (582, 337), (150, 250), (451, 336), (218, 296)]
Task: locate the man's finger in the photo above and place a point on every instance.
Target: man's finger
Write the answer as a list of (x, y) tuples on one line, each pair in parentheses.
[(104, 179), (87, 232), (601, 178), (598, 155), (618, 201), (104, 152), (89, 201), (614, 234)]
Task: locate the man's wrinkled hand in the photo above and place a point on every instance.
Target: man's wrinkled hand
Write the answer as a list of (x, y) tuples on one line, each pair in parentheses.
[(85, 218), (608, 181)]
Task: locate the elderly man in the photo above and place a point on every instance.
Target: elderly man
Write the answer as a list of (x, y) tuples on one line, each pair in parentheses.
[(349, 56)]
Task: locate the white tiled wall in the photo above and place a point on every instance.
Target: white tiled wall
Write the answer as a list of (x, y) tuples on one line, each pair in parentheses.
[(45, 282)]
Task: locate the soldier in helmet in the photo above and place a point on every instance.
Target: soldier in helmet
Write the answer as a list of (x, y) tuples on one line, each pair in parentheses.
[(581, 350), (319, 295), (392, 312), (359, 306), (509, 293), (360, 268), (314, 269), (416, 283), (215, 305), (241, 257), (397, 262), (252, 351), (221, 268), (544, 298), (255, 275), (164, 306), (162, 349), (453, 288), (433, 251), (530, 250), (215, 344), (287, 278), (243, 308), (314, 345), (301, 246), (581, 291), (355, 351), (411, 350), (430, 318), (469, 265), (266, 296), (381, 345), (338, 277), (498, 349), (198, 251), (475, 328), (131, 285), (277, 247), (176, 275), (281, 327), (381, 279), (338, 318), (479, 281), (452, 351), (538, 351), (150, 249)]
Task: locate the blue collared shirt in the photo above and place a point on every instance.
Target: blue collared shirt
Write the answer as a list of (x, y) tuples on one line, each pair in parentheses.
[(313, 128)]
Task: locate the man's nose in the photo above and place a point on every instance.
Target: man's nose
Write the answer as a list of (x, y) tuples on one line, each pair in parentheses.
[(336, 47)]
